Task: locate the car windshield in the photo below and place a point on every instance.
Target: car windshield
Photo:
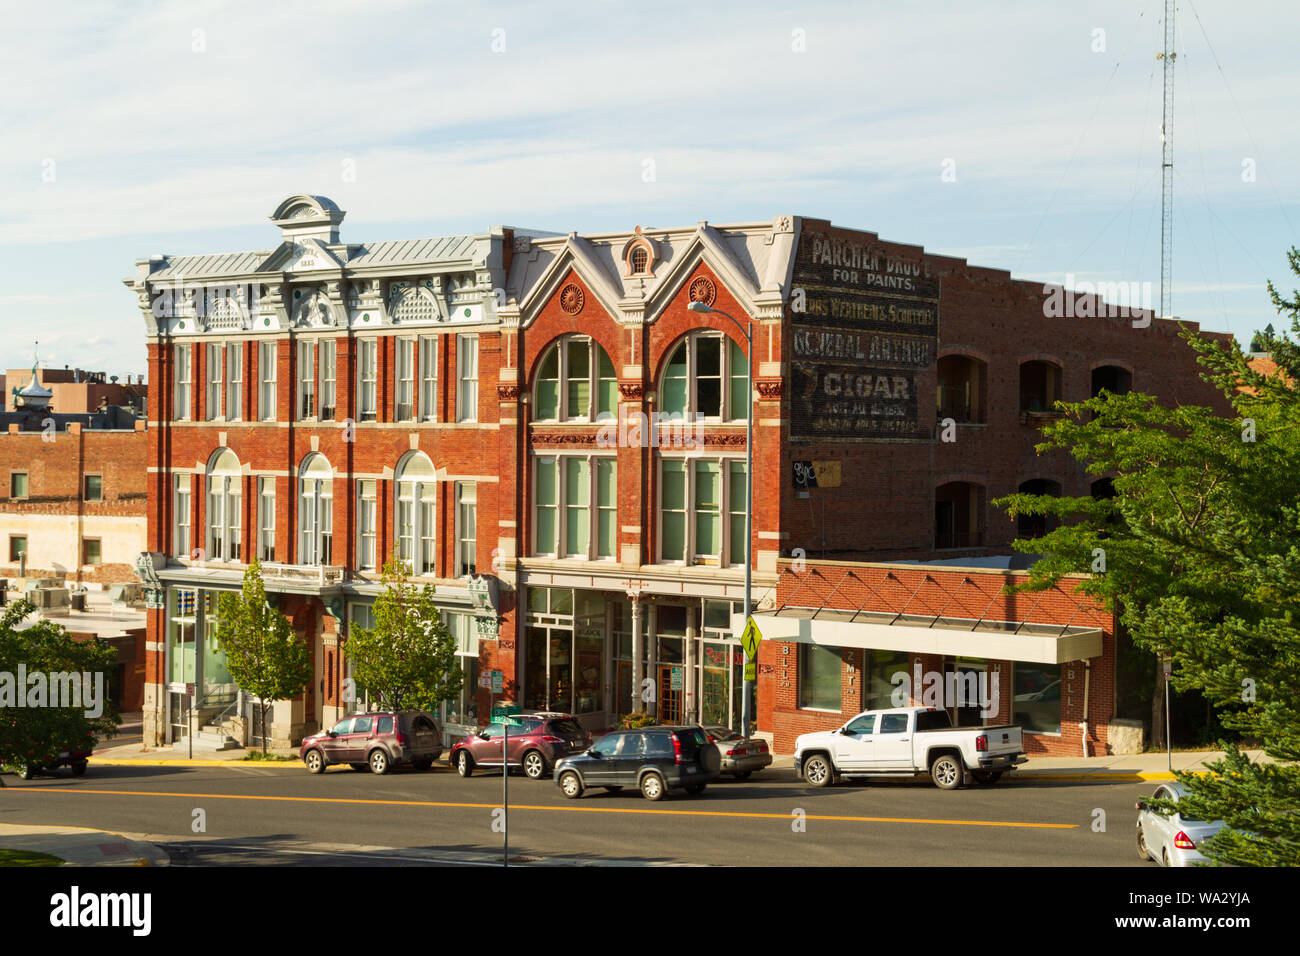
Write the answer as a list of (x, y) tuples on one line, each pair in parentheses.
[(567, 726)]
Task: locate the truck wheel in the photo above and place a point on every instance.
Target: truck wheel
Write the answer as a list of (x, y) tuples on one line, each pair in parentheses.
[(817, 770), (79, 768), (986, 777), (946, 772)]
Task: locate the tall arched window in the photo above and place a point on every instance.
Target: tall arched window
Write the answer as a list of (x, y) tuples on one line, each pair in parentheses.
[(316, 512), (575, 381), (416, 516), (705, 377), (224, 507)]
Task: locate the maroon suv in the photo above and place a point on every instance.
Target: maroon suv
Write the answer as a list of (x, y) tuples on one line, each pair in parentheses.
[(536, 742), (379, 741)]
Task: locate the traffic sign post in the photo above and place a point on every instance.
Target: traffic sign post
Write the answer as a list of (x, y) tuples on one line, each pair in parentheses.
[(749, 640)]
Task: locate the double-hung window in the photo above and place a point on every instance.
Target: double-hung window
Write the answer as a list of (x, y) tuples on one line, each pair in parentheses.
[(467, 378), (466, 532), (429, 378), (416, 515), (405, 404), (266, 397), (316, 512), (366, 510), (705, 379), (702, 511), (327, 359), (575, 382), (181, 485), (266, 519), (181, 382), (575, 506), (234, 382), (216, 364), (224, 531), (367, 380), (307, 379)]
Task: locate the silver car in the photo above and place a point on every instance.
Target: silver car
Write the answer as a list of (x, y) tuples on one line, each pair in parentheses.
[(1174, 840)]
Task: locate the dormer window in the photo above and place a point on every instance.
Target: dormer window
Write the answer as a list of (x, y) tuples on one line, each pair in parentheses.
[(639, 254)]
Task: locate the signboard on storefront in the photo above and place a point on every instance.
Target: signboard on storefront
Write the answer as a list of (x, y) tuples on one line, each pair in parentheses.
[(865, 332)]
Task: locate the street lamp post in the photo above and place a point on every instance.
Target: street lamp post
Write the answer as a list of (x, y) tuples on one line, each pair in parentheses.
[(747, 332)]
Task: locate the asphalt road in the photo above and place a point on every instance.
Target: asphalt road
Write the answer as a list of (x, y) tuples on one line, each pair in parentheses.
[(285, 816)]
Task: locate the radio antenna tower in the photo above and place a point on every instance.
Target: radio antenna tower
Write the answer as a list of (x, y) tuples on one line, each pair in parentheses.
[(1167, 167)]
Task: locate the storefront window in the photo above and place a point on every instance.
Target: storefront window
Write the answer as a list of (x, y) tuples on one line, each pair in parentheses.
[(564, 656), (878, 680), (1036, 698), (819, 677)]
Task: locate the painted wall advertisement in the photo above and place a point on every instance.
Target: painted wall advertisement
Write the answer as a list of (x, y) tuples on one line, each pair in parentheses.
[(865, 332)]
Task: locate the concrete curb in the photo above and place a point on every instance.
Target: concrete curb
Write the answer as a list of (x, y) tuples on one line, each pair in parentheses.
[(82, 846), (184, 762)]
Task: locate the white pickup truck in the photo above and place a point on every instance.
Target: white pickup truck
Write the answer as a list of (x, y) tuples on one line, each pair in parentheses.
[(908, 740)]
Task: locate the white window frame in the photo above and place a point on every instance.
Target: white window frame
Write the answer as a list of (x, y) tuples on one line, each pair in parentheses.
[(315, 516), (215, 390), (428, 374), (267, 360), (561, 518), (266, 518), (234, 381), (726, 414), (367, 523), (725, 511), (327, 357), (467, 378), (182, 488), (404, 380), (466, 531), (307, 397), (182, 393), (563, 412), (367, 380)]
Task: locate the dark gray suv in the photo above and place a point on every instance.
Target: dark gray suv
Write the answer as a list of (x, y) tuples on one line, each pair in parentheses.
[(654, 759)]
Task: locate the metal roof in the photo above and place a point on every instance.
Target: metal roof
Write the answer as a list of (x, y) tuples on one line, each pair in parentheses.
[(356, 256)]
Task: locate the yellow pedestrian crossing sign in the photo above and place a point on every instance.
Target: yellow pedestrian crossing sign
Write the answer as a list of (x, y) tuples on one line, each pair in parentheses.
[(749, 639)]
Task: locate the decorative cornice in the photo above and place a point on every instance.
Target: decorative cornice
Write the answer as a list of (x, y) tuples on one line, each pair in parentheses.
[(584, 436)]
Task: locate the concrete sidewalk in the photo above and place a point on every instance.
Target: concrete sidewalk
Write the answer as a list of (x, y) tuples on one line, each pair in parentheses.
[(80, 846), (133, 754)]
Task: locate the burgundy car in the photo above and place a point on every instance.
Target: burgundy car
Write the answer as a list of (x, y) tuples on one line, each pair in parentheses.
[(378, 740), (537, 741)]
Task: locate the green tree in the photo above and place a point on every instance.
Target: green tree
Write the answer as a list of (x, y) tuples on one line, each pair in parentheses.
[(264, 656), (408, 659), (32, 734), (1201, 563)]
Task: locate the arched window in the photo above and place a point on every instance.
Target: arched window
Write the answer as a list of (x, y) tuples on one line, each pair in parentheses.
[(224, 507), (1040, 386), (640, 259), (416, 518), (1035, 526), (575, 382), (316, 512), (958, 515), (705, 378)]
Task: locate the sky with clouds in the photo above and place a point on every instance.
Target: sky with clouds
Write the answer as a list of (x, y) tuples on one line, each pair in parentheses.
[(141, 128)]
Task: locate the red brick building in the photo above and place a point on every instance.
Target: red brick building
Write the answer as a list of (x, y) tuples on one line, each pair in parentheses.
[(542, 428)]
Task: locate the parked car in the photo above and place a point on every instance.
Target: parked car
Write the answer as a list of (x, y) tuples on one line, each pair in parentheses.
[(1173, 840), (376, 740), (75, 757), (537, 741), (740, 756), (907, 740), (655, 759)]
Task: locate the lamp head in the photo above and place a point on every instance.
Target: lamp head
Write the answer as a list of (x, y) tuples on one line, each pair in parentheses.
[(699, 307)]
